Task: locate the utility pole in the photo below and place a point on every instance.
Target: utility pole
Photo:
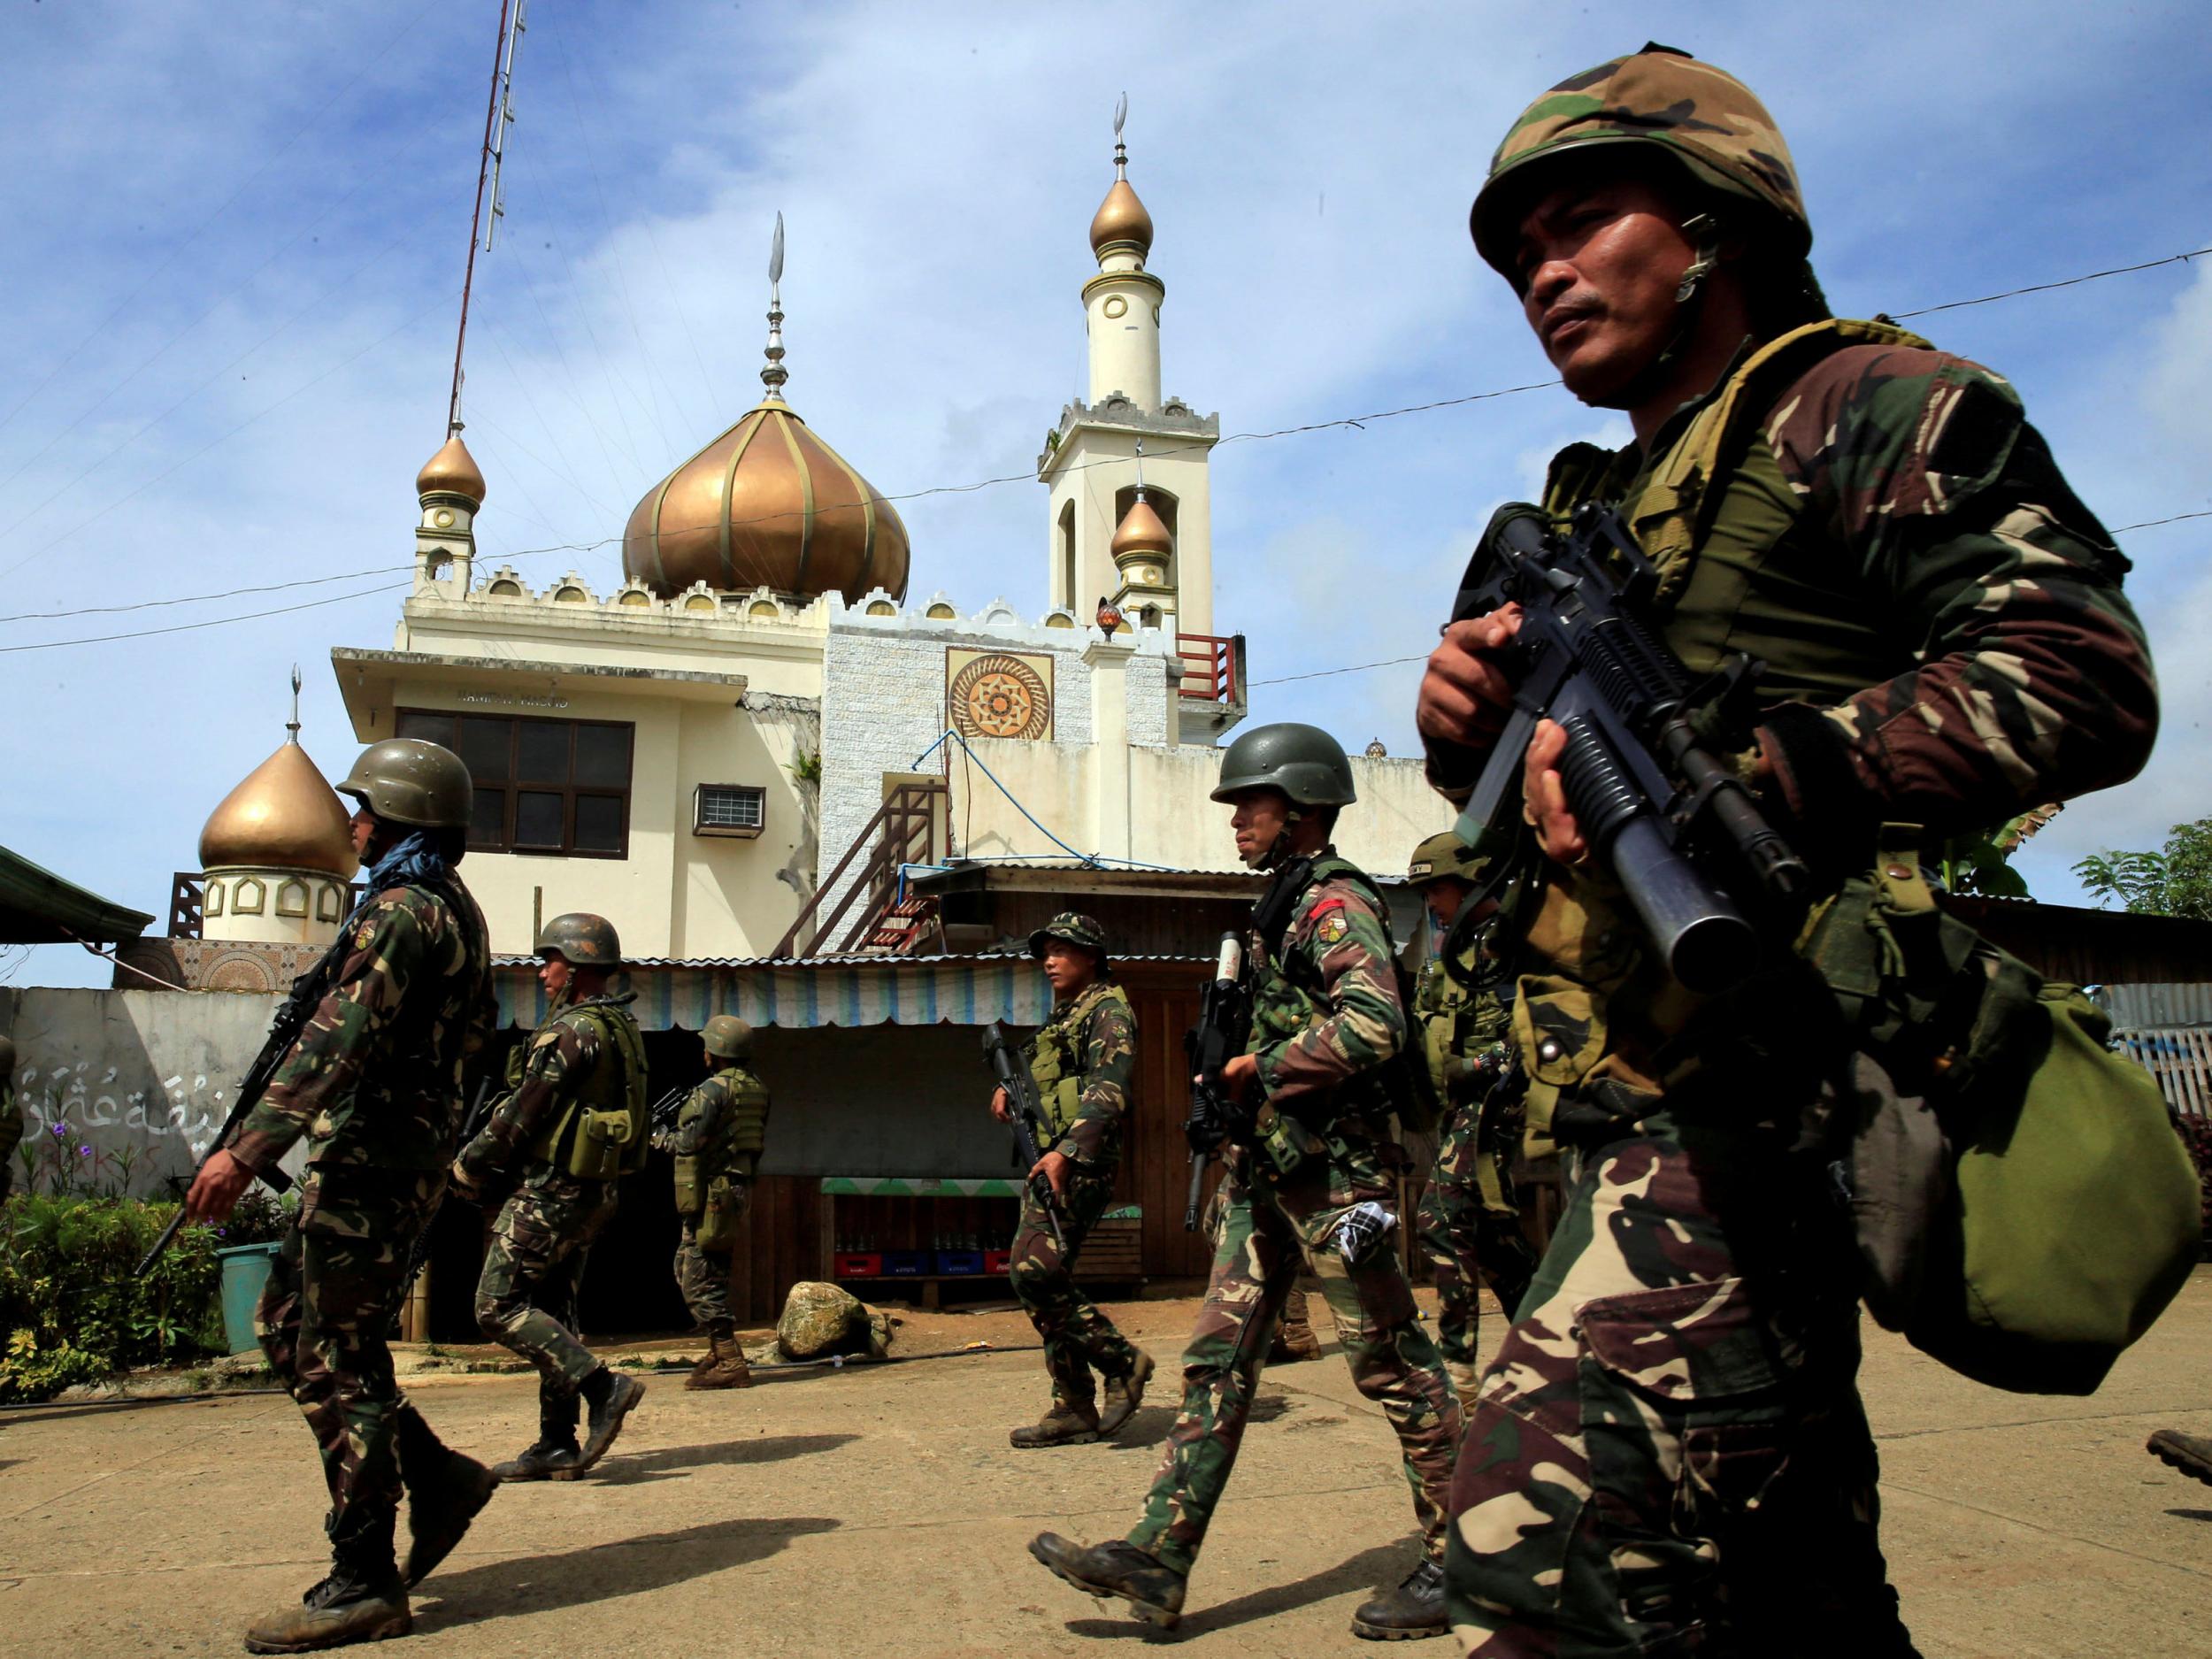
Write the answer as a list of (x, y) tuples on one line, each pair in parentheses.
[(499, 114)]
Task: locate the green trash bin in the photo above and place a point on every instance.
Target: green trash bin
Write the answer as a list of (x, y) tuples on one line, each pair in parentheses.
[(245, 1270)]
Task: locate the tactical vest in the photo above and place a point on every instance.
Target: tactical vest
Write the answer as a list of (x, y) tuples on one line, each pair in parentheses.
[(741, 1135), (1056, 1058), (1454, 1024), (1743, 568), (600, 1133)]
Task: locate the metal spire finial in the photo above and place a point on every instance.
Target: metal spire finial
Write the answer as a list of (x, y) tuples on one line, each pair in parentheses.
[(1121, 151), (1140, 469), (293, 725), (775, 374)]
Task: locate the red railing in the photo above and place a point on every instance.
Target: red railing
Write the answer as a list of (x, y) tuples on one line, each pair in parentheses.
[(1212, 664), (908, 823)]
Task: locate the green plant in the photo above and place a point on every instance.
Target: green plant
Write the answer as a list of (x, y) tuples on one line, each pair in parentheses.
[(2175, 881), (807, 768), (1982, 864), (71, 1305)]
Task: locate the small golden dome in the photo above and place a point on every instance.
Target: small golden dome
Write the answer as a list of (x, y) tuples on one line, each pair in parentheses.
[(284, 816), (451, 472), (1141, 530), (767, 504), (1121, 217)]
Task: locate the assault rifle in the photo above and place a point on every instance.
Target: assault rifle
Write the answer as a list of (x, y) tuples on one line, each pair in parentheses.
[(1224, 1027), (285, 1026), (1029, 1117), (1679, 829), (667, 1108)]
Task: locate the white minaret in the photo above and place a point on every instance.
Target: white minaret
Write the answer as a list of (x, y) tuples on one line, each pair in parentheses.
[(1130, 518), (450, 488)]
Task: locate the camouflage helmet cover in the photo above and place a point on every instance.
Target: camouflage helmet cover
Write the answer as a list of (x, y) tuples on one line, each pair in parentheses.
[(582, 940), (1072, 927), (407, 780), (727, 1037), (1659, 99), (1303, 762), (1445, 857)]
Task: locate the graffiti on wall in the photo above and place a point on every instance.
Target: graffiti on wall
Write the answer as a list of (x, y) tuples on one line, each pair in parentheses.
[(85, 1129)]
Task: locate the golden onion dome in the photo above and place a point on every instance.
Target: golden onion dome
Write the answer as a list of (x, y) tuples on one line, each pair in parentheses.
[(283, 816), (1143, 531), (1121, 217), (768, 504), (451, 472)]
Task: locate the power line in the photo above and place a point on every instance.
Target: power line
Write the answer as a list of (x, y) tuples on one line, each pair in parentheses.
[(2064, 282), (209, 622), (1355, 668), (1358, 422)]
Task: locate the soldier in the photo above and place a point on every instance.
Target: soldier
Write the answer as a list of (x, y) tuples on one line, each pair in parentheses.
[(576, 1124), (720, 1132), (11, 1118), (1308, 1184), (1083, 1058), (374, 1086), (1669, 1451), (1470, 1218)]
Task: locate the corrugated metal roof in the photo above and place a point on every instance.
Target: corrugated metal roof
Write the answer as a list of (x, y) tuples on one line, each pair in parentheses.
[(2157, 1007)]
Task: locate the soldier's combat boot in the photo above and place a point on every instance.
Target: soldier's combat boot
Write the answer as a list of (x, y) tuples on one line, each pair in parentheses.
[(610, 1396), (2191, 1454), (441, 1503), (361, 1600), (544, 1461), (1124, 1394), (1413, 1609), (724, 1367), (1293, 1338), (1154, 1589), (1065, 1424)]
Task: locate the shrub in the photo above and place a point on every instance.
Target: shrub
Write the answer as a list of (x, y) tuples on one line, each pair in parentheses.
[(70, 1308)]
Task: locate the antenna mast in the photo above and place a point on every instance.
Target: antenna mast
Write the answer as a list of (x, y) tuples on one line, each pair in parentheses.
[(497, 111)]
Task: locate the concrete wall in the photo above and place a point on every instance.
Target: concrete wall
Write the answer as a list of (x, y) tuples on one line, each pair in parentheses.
[(143, 1078)]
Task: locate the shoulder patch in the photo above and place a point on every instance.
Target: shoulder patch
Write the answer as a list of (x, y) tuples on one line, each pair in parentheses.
[(1333, 927)]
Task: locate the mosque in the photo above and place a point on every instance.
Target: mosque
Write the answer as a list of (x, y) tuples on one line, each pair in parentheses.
[(808, 797)]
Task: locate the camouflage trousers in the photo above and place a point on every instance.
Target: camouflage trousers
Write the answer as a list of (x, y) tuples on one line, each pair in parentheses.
[(1270, 1225), (1470, 1221), (1668, 1454), (703, 1276), (324, 1322), (526, 1298), (1078, 1338)]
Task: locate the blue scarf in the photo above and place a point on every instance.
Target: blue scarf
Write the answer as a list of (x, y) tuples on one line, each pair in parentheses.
[(413, 860)]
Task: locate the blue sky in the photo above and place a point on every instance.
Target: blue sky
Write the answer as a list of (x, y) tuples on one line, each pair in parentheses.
[(237, 234)]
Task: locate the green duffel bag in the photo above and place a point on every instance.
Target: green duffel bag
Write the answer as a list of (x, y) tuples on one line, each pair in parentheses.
[(2023, 1207)]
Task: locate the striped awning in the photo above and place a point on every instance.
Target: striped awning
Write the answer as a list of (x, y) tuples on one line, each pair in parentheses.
[(943, 990)]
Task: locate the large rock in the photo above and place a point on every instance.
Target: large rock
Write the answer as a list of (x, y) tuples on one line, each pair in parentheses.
[(821, 1320)]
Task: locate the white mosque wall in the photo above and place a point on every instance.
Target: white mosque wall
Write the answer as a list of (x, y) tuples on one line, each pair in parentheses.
[(1171, 821)]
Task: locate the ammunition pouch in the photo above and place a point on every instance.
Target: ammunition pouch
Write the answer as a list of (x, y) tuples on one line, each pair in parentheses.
[(2023, 1208), (602, 1135), (718, 1222)]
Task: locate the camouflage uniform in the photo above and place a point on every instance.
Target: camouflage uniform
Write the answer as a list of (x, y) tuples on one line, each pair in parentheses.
[(1669, 1453), (1326, 1012), (526, 1298), (1097, 1033), (373, 1083), (723, 1124), (1471, 1217)]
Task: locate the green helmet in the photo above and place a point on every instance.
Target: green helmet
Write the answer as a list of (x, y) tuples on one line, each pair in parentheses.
[(1303, 762), (728, 1038), (1444, 855), (1664, 102), (1073, 928), (406, 780), (584, 940)]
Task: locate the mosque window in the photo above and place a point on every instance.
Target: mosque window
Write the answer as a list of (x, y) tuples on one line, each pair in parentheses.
[(541, 786), (729, 808)]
